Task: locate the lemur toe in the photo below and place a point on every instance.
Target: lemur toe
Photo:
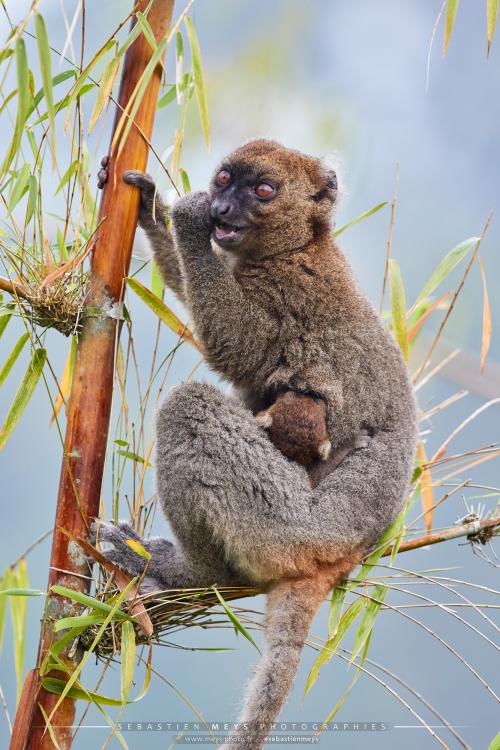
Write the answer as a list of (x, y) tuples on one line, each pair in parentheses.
[(264, 419), (362, 440), (324, 450), (112, 539)]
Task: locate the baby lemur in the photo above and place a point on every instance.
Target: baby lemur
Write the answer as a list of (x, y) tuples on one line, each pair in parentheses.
[(297, 425), (277, 309)]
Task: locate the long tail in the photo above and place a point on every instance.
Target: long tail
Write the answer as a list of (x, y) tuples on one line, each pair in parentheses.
[(291, 606)]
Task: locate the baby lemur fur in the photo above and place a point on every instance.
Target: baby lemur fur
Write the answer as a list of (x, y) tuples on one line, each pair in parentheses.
[(297, 425), (276, 308)]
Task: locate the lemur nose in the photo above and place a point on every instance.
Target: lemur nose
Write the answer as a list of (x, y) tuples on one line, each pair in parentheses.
[(220, 208)]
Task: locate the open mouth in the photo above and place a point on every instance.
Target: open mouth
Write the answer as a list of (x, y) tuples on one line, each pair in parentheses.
[(226, 232)]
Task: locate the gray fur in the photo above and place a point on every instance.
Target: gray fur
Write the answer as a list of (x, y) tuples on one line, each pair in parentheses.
[(288, 315)]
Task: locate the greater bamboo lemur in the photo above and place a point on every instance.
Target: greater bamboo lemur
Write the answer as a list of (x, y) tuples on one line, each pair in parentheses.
[(277, 309)]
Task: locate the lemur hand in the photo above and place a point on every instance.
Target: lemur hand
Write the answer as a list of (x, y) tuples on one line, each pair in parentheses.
[(191, 217), (149, 198)]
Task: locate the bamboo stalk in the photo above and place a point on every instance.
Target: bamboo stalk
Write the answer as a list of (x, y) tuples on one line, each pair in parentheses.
[(89, 405), (16, 290)]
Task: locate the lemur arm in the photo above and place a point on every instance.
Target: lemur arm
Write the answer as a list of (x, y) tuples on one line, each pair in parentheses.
[(152, 218), (235, 331)]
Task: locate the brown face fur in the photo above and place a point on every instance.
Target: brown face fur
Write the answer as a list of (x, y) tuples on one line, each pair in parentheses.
[(296, 424), (298, 211)]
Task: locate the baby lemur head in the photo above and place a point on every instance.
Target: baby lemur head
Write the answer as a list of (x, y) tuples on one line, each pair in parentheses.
[(267, 199)]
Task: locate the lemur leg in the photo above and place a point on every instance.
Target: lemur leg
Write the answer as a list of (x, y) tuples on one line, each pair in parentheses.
[(215, 465), (168, 566), (230, 495)]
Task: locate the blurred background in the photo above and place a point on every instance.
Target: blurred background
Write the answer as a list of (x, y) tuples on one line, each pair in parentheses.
[(347, 80)]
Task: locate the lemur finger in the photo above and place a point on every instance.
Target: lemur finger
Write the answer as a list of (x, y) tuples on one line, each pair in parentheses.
[(139, 179), (102, 178)]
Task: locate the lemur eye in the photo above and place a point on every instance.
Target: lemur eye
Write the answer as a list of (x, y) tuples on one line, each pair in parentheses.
[(264, 190), (224, 177)]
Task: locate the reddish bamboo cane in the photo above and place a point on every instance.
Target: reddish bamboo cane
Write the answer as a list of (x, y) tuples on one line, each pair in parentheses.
[(89, 405)]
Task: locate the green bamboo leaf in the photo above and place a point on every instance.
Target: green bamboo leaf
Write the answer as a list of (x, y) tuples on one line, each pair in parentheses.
[(236, 623), (157, 285), (57, 686), (354, 680), (18, 609), (134, 33), (360, 218), (5, 54), (23, 103), (69, 173), (179, 66), (398, 307), (128, 654), (5, 583), (70, 684), (61, 643), (7, 99), (328, 649), (168, 97), (186, 185), (45, 59), (133, 457), (85, 599), (20, 186), (161, 310), (32, 198), (59, 78), (368, 621), (491, 16), (146, 30), (23, 395), (336, 607), (4, 319), (61, 104), (106, 84), (50, 728), (449, 22), (138, 548), (386, 540), (11, 359), (80, 621), (446, 266), (199, 79), (77, 88), (495, 743), (21, 592)]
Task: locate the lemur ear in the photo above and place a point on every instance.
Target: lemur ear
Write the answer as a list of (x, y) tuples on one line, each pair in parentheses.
[(330, 187), (331, 182)]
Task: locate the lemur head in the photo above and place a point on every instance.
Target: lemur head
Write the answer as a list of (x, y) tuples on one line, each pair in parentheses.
[(267, 199)]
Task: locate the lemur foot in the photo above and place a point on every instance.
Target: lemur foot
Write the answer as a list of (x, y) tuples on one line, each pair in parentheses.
[(102, 175), (361, 440), (113, 539)]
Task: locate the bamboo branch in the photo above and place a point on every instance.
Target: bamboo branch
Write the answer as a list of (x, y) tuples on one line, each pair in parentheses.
[(89, 405), (472, 528), (16, 290)]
